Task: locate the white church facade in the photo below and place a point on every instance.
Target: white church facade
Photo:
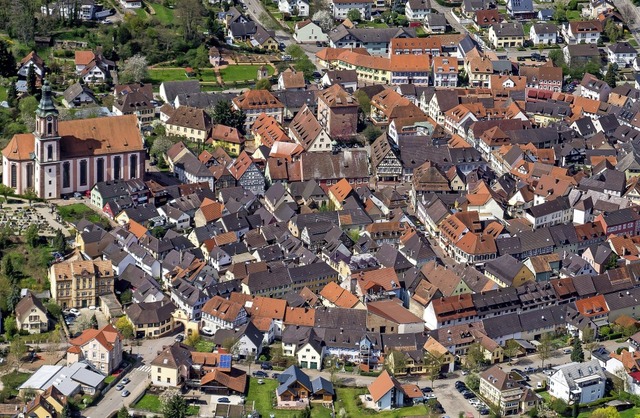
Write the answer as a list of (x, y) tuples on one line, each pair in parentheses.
[(64, 157)]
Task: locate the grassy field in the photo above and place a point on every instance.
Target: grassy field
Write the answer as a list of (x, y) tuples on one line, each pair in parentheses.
[(75, 212), (242, 72), (3, 94), (163, 14), (260, 396), (13, 381), (32, 263), (158, 75), (149, 402), (204, 346), (573, 15)]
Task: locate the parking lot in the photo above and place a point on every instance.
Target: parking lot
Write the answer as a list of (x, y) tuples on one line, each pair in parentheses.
[(78, 319)]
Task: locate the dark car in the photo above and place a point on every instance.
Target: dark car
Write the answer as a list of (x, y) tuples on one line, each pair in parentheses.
[(468, 395), (266, 366), (426, 390), (317, 75), (275, 375), (282, 46), (319, 44), (462, 389), (536, 57), (224, 400), (260, 374), (484, 411)]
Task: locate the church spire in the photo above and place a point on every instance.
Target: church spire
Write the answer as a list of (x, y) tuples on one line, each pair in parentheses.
[(46, 106)]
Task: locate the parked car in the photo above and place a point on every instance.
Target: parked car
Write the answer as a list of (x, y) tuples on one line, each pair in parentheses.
[(119, 386), (266, 366), (260, 382), (179, 338), (430, 396), (224, 400), (260, 373), (484, 411), (426, 389), (207, 331), (460, 383), (125, 393), (74, 311), (125, 381), (529, 369), (566, 350), (468, 395), (275, 375)]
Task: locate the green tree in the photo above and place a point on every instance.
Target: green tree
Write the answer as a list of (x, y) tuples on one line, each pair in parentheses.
[(14, 297), (160, 147), (606, 412), (399, 362), (545, 348), (354, 15), (295, 51), (123, 413), (135, 70), (475, 356), (610, 79), (306, 67), (7, 61), (371, 133), (264, 84), (556, 57), (577, 353), (511, 349), (613, 31), (68, 413), (560, 12), (5, 190), (193, 339), (125, 328), (363, 102), (28, 106), (9, 269), (126, 297), (94, 322), (559, 406), (30, 195), (54, 309), (189, 14), (59, 242), (472, 381), (32, 235), (588, 339), (12, 95), (10, 326), (175, 407), (31, 81), (224, 114), (433, 364), (17, 351)]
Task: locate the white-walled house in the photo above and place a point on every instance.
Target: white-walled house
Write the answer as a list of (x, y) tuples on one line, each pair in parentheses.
[(308, 32), (340, 8), (622, 54), (586, 381), (131, 4), (219, 313), (417, 10), (311, 354), (294, 7), (543, 34)]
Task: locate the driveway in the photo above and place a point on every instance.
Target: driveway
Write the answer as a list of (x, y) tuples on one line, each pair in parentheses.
[(113, 400)]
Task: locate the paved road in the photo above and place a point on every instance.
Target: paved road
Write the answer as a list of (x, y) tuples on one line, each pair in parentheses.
[(113, 399), (447, 12)]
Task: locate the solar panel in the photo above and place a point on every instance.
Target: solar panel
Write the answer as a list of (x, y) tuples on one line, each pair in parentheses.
[(225, 361)]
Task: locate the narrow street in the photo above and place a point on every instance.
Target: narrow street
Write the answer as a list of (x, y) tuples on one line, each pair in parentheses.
[(627, 8)]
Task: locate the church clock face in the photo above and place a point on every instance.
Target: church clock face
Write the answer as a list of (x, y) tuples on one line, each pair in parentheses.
[(49, 118)]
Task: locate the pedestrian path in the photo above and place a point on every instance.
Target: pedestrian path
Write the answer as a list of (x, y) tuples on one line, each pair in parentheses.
[(144, 368)]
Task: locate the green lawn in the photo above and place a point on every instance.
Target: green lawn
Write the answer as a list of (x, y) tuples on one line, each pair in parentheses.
[(141, 13), (573, 15), (3, 94), (158, 75), (13, 381), (526, 28), (263, 396), (149, 403), (163, 14), (628, 413), (242, 72), (347, 398), (204, 346), (109, 379), (75, 212)]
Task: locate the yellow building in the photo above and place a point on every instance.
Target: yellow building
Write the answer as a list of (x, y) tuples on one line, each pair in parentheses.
[(171, 367), (506, 35), (506, 271), (228, 138), (189, 122), (77, 284), (48, 404)]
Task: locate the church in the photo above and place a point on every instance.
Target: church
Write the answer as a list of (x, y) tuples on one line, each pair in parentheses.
[(65, 157)]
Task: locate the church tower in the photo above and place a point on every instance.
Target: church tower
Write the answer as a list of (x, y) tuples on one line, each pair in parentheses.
[(47, 146)]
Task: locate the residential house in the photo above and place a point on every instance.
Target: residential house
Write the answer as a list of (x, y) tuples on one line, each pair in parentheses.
[(219, 313), (506, 271), (435, 23), (307, 131), (93, 68), (501, 389), (582, 32), (340, 8), (101, 348), (294, 385), (30, 60), (445, 72), (247, 174), (578, 382), (308, 32), (543, 34), (417, 10), (338, 112), (386, 392), (151, 319), (76, 284), (580, 54), (230, 139), (172, 366), (31, 315), (189, 122), (256, 102), (134, 99), (507, 35), (520, 9), (248, 339), (299, 8), (621, 54), (77, 95)]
